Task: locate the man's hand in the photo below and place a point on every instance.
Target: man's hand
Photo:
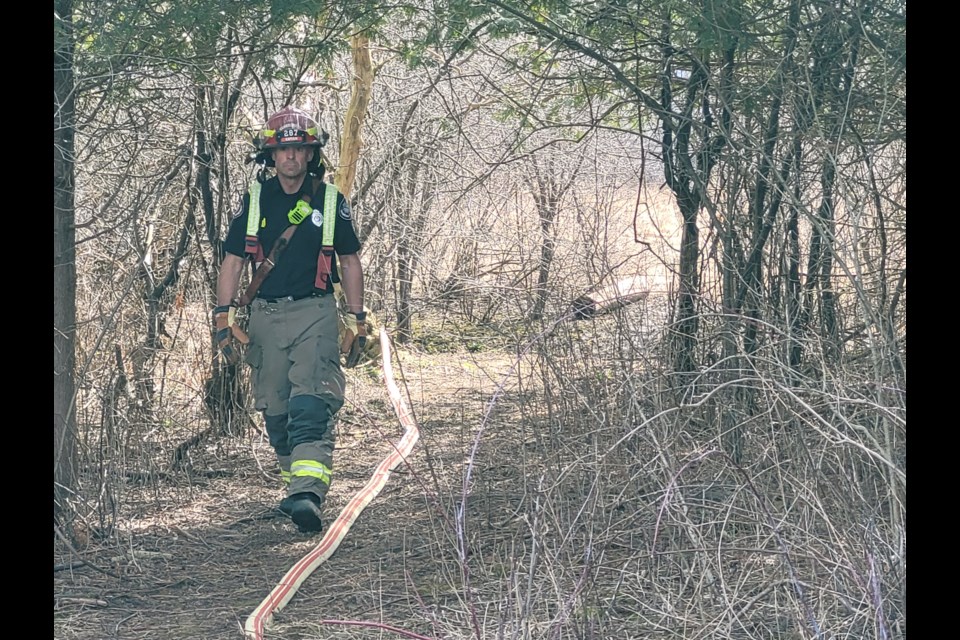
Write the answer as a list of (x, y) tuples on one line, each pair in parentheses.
[(228, 335), (354, 337)]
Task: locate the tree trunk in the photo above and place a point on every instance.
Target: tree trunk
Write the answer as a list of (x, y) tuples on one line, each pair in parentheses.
[(548, 243), (689, 154), (224, 394), (405, 270), (64, 265), (794, 309), (351, 140), (819, 301), (409, 243), (687, 322), (547, 187)]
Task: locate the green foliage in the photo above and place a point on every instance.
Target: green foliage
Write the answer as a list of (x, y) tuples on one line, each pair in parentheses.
[(281, 10), (444, 27), (719, 26)]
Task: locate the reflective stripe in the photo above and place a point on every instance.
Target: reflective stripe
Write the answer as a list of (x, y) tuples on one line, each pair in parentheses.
[(253, 218), (325, 259), (329, 210), (252, 242), (285, 476), (311, 469)]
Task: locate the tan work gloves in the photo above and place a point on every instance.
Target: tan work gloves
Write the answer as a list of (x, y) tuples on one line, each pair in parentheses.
[(354, 343), (228, 335), (353, 336)]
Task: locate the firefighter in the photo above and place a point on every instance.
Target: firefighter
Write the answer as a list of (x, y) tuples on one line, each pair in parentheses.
[(294, 326)]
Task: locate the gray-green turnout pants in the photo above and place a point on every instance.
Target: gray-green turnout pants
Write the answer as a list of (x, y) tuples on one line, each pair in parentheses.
[(298, 384)]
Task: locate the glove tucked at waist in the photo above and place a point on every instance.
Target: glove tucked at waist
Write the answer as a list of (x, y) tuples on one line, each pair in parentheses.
[(228, 335)]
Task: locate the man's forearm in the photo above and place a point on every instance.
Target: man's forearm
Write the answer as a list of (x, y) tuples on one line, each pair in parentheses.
[(352, 281), (229, 278)]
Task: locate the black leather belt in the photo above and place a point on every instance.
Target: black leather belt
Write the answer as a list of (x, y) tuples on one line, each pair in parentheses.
[(291, 298)]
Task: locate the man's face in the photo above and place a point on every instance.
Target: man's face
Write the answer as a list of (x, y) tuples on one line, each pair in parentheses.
[(292, 161)]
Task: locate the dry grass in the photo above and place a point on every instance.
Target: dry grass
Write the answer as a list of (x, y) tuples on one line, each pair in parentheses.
[(559, 494)]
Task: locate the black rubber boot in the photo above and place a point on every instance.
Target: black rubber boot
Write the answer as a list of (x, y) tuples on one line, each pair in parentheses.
[(304, 510)]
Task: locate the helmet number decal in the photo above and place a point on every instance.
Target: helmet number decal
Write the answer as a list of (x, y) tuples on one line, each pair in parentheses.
[(290, 134)]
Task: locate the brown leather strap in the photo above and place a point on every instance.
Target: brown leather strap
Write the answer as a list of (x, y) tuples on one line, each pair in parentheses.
[(271, 261), (267, 266)]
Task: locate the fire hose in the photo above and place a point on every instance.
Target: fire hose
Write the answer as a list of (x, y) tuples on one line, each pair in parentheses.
[(285, 590)]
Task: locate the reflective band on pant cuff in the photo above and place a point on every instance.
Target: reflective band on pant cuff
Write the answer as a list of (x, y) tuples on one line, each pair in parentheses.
[(311, 469)]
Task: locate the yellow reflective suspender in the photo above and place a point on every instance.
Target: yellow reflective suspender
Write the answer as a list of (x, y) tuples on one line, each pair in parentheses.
[(329, 211), (252, 242), (325, 260)]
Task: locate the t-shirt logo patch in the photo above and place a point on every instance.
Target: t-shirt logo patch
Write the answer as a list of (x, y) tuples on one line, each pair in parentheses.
[(316, 218), (344, 209)]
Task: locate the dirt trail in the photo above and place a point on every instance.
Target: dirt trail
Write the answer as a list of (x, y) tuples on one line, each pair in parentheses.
[(194, 556)]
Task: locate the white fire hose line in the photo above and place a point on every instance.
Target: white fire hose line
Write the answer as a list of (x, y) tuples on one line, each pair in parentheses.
[(288, 586)]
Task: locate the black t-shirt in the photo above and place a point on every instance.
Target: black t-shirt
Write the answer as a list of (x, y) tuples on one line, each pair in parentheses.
[(296, 270)]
